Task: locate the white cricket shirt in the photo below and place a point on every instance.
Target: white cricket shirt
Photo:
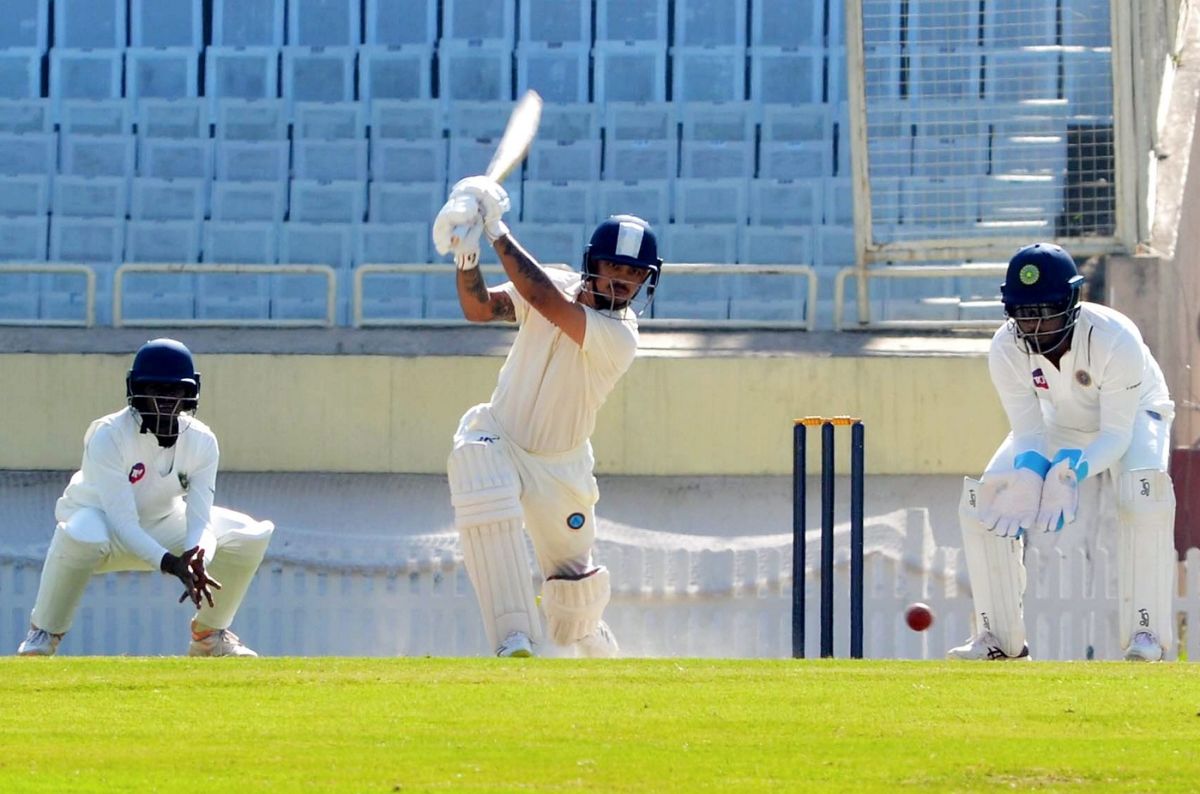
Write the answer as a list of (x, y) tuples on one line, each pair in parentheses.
[(1097, 389), (550, 388), (137, 483)]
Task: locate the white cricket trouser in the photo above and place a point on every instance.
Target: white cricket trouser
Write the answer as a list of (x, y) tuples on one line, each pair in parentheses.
[(84, 545)]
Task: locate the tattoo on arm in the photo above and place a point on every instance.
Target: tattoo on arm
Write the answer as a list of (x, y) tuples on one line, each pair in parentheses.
[(529, 271), (472, 280), (502, 307)]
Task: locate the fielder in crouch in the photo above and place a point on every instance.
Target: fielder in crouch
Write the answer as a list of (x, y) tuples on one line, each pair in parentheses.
[(525, 456), (143, 501), (1084, 397)]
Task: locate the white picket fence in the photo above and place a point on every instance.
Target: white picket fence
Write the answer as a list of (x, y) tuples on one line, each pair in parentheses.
[(678, 596)]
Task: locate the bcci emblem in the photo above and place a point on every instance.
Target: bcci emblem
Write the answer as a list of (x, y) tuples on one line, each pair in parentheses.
[(183, 481), (1029, 275), (575, 521)]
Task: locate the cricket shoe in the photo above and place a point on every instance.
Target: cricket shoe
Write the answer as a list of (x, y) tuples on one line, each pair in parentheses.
[(516, 645), (217, 642), (985, 646), (1144, 647), (39, 642), (600, 644)]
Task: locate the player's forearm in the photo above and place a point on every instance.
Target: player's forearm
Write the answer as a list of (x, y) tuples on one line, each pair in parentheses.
[(526, 274), (473, 295)]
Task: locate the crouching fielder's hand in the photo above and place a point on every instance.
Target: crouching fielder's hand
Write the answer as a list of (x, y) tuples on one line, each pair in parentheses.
[(1008, 501), (1060, 493), (188, 568)]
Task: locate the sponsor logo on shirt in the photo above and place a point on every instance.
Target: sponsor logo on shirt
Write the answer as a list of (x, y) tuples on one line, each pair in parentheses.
[(1039, 379), (575, 521), (1082, 377), (137, 472)]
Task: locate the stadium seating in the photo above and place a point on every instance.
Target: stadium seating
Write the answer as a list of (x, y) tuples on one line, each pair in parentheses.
[(328, 131)]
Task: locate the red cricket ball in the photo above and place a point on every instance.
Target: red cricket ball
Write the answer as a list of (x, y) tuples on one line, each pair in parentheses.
[(918, 616)]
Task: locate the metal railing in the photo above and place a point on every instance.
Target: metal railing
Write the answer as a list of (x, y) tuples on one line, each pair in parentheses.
[(909, 271), (189, 269), (670, 271), (89, 318)]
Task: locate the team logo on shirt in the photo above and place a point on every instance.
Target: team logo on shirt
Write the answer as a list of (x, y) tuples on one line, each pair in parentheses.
[(137, 472), (1039, 379), (183, 481), (576, 520), (1082, 377)]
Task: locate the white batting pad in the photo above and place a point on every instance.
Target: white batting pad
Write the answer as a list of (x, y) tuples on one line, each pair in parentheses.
[(997, 573), (1146, 555), (483, 482), (574, 606), (495, 558), (70, 563)]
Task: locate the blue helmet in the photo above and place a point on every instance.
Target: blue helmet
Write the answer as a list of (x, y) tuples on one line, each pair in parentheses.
[(1042, 283), (162, 367), (625, 240)]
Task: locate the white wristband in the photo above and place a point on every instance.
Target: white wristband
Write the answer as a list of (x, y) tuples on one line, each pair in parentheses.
[(495, 230)]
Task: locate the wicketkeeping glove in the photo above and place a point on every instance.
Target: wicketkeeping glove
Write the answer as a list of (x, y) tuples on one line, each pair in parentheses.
[(1060, 493)]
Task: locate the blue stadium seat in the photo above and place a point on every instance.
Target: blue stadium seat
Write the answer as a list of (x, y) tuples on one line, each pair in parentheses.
[(413, 202), (172, 118), (570, 122), (786, 202), (324, 23), (632, 20), (784, 23), (1085, 23), (176, 158), (168, 199), (30, 153), (23, 239), (474, 71), (251, 120), (25, 25), (87, 240), (399, 160), (240, 73), (834, 246), (20, 74), (241, 242), (158, 296), (629, 71), (249, 201), (560, 161), (252, 161), (392, 243), (85, 74), (789, 75), (24, 195), (162, 241), (709, 74), (232, 296), (1014, 24), (18, 291), (299, 297), (329, 120), (393, 296), (25, 115), (630, 160), (91, 197), (708, 200), (399, 22), (329, 159), (161, 73), (775, 245), (710, 243), (95, 117), (770, 297), (416, 120), (566, 203), (340, 202), (649, 199), (1087, 83), (318, 74), (940, 202), (62, 297), (479, 20), (247, 23), (317, 244), (91, 24), (97, 155), (553, 242), (559, 72), (470, 156), (943, 25), (945, 75), (403, 73), (166, 23)]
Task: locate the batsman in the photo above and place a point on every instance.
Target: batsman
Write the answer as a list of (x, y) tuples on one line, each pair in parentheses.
[(1084, 398), (524, 457)]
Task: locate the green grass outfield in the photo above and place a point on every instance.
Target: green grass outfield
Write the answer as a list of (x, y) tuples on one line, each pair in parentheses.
[(635, 725)]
